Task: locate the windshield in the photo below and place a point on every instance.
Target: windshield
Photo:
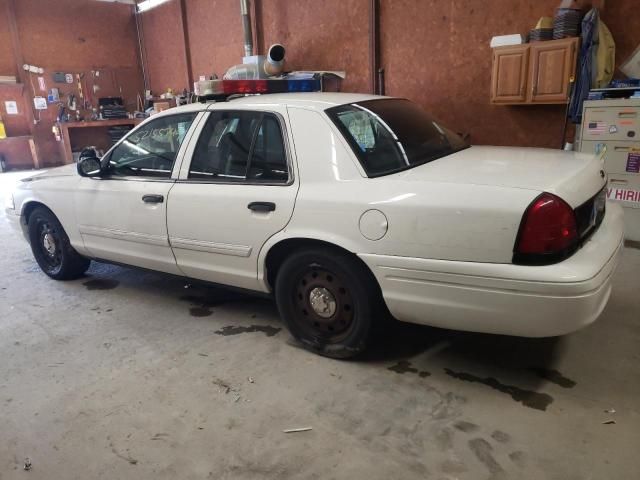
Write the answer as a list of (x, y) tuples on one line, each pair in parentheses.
[(390, 135)]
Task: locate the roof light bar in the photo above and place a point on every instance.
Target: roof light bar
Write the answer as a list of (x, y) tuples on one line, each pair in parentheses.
[(219, 88)]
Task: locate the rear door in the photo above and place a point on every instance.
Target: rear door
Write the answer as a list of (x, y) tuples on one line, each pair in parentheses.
[(237, 190)]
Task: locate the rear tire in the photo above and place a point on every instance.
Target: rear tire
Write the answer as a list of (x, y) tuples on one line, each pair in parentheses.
[(51, 247), (329, 301)]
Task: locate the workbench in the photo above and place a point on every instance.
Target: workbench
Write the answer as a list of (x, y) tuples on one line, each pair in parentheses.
[(77, 135), (18, 153)]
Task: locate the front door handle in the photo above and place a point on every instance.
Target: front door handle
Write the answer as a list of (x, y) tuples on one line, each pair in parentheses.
[(153, 198), (262, 206)]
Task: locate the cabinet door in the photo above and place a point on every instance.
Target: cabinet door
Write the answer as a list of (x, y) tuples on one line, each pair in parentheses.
[(509, 77), (552, 65)]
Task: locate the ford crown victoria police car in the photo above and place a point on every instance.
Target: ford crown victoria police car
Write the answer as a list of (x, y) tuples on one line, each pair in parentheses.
[(342, 206)]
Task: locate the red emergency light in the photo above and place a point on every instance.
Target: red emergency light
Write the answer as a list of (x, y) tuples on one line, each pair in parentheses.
[(253, 87)]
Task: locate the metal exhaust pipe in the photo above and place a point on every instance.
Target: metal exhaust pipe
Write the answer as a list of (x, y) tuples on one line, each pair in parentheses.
[(271, 65), (246, 27), (274, 63)]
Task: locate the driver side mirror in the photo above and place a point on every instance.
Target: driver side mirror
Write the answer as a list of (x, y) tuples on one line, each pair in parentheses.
[(89, 164), (89, 167)]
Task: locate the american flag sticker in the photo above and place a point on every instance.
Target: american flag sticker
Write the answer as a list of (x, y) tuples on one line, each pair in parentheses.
[(598, 128)]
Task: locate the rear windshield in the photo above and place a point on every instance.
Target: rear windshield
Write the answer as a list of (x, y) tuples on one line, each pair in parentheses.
[(390, 135)]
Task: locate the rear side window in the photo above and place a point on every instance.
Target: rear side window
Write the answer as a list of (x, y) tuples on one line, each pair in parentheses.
[(269, 160), (391, 135), (240, 146)]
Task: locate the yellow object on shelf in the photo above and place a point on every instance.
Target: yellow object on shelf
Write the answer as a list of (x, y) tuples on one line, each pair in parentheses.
[(3, 132), (544, 22)]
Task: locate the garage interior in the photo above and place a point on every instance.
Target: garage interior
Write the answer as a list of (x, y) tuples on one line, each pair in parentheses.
[(134, 374)]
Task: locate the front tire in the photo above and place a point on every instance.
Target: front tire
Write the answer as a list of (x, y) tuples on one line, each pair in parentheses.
[(51, 247), (328, 300)]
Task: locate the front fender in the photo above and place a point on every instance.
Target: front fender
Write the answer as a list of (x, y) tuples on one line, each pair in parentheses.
[(56, 194)]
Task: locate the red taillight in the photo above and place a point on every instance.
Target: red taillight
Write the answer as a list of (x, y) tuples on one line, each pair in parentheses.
[(548, 228)]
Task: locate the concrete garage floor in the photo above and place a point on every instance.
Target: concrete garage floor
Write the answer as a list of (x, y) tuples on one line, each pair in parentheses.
[(125, 374)]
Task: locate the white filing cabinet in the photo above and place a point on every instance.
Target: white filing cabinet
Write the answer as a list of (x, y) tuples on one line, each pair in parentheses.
[(616, 124)]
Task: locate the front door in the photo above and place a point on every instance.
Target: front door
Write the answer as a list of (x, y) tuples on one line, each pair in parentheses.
[(237, 191), (122, 215)]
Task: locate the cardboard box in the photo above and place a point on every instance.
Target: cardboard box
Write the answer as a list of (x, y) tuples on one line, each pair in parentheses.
[(161, 106), (631, 68)]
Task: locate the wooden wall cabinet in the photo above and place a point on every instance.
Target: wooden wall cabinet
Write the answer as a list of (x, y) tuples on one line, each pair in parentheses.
[(535, 73)]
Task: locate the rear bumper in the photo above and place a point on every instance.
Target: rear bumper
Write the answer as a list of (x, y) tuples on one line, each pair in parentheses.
[(527, 301)]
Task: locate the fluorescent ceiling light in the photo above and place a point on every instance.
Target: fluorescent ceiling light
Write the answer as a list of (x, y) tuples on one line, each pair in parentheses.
[(126, 2), (149, 4)]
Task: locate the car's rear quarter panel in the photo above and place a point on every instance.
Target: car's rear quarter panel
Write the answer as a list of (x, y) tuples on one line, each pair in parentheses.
[(446, 259), (434, 220)]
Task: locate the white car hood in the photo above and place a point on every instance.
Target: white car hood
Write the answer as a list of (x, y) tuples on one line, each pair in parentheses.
[(64, 171), (573, 176)]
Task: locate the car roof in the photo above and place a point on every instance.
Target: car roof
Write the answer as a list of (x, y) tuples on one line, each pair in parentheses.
[(314, 100)]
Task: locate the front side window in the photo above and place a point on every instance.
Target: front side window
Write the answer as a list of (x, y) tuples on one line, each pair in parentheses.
[(240, 146), (391, 135), (151, 150)]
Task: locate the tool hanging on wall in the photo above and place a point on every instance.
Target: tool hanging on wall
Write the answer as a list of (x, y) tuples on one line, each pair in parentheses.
[(56, 132), (61, 113), (79, 85), (87, 104), (71, 102), (140, 103), (572, 83)]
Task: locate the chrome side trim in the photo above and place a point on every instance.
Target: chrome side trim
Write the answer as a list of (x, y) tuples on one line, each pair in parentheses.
[(210, 247), (135, 237)]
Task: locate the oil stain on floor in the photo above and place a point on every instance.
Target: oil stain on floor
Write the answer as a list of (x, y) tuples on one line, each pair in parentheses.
[(404, 366), (101, 284), (201, 306), (268, 330), (528, 398)]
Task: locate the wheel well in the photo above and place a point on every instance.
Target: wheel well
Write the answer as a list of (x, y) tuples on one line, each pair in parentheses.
[(281, 250), (30, 207)]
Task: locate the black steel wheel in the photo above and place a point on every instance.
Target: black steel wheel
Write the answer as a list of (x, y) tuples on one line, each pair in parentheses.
[(328, 300), (51, 247), (324, 304)]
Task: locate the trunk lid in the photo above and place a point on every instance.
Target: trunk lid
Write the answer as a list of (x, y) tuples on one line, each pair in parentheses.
[(574, 177)]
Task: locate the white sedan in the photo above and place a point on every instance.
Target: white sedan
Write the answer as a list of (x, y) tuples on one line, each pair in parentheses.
[(343, 206)]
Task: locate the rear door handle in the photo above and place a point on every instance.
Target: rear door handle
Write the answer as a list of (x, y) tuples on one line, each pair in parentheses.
[(153, 198), (262, 206)]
